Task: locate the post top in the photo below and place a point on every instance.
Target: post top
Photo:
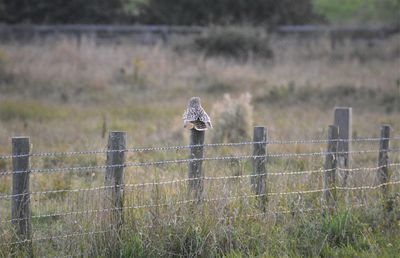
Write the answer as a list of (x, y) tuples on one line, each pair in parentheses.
[(343, 108), (117, 132)]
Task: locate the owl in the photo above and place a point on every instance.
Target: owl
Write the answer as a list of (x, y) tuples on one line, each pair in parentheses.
[(195, 116)]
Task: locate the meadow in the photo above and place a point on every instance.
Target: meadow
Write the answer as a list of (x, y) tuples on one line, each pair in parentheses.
[(66, 96)]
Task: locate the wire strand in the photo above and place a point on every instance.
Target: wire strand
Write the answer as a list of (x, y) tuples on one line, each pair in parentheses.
[(179, 161), (185, 180), (166, 148), (227, 198)]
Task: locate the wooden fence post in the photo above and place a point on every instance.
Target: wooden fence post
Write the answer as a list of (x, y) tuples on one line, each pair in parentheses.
[(343, 120), (383, 161), (330, 168), (20, 202), (114, 187), (258, 180), (196, 184)]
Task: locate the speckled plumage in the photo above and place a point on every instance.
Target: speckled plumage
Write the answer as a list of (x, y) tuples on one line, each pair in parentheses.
[(195, 116)]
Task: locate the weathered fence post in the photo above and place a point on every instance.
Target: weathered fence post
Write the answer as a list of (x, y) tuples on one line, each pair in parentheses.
[(329, 195), (114, 187), (258, 181), (20, 202), (343, 120), (196, 183), (383, 161)]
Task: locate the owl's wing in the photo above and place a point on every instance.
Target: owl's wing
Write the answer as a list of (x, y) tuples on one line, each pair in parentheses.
[(191, 114), (185, 120), (188, 117), (205, 118)]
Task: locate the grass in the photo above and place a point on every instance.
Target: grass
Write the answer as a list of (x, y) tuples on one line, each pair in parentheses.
[(64, 96), (359, 11)]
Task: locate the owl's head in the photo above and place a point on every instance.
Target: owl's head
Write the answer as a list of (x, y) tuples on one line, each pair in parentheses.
[(194, 102)]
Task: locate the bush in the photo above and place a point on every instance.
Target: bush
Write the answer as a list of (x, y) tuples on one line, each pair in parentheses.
[(222, 12), (234, 43), (73, 11), (233, 119)]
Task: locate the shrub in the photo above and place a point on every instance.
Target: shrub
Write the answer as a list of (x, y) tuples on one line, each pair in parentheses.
[(233, 119), (234, 43), (205, 12)]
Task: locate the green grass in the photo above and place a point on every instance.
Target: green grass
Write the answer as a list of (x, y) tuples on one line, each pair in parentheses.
[(30, 110), (351, 11)]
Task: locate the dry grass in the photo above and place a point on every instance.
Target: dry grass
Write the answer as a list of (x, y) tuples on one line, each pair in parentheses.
[(58, 93), (100, 80)]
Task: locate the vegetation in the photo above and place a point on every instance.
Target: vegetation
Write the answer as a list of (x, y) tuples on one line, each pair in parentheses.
[(174, 12), (192, 12), (235, 119), (207, 12), (58, 93), (360, 11), (74, 11), (233, 42)]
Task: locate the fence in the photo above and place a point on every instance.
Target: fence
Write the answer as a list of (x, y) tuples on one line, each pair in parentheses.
[(61, 200), (151, 33)]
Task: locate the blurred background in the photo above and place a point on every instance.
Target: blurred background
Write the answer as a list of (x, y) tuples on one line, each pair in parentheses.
[(71, 71), (192, 12)]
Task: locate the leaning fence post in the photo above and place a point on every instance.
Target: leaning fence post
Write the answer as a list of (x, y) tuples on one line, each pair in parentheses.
[(114, 185), (383, 161), (330, 168), (20, 202), (195, 166), (343, 120), (258, 181)]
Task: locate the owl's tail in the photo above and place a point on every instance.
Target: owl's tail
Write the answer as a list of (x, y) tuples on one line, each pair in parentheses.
[(199, 125)]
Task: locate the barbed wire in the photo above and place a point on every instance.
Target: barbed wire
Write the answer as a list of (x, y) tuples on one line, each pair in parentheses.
[(372, 187), (205, 178), (179, 161), (269, 142), (166, 148), (226, 198), (60, 237), (370, 168), (284, 211), (164, 203)]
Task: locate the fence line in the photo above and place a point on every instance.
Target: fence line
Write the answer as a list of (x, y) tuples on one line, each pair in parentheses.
[(178, 161), (90, 233), (205, 178), (247, 196), (269, 212), (167, 148), (148, 196), (194, 201)]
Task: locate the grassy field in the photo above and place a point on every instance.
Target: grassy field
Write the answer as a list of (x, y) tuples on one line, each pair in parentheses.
[(65, 96)]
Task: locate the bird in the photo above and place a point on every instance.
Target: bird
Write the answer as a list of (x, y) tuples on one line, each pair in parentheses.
[(195, 117)]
